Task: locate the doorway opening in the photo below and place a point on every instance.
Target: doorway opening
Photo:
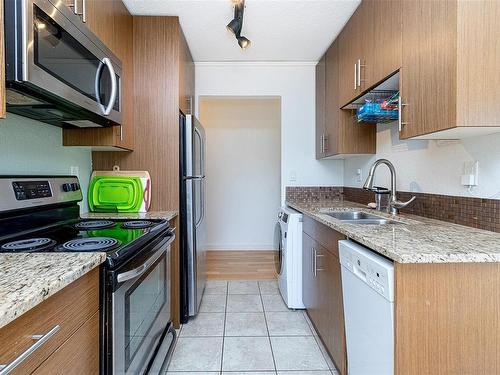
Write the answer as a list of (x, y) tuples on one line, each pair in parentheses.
[(243, 183)]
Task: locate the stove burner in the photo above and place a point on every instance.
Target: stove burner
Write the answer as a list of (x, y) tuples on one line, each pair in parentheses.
[(91, 244), (94, 224), (28, 245), (137, 224)]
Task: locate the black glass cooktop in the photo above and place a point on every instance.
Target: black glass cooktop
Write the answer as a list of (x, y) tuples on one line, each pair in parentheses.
[(117, 238)]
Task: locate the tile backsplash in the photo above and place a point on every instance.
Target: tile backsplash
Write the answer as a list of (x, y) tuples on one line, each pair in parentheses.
[(473, 212)]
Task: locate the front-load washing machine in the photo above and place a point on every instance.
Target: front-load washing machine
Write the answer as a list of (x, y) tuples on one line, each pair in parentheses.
[(288, 259)]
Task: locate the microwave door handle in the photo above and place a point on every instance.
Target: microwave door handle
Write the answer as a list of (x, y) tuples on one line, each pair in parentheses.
[(96, 84), (114, 86), (106, 62)]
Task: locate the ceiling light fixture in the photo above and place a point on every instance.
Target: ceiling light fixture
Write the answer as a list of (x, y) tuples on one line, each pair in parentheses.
[(236, 25)]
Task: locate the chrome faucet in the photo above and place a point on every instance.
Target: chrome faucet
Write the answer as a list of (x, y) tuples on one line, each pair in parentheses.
[(394, 204)]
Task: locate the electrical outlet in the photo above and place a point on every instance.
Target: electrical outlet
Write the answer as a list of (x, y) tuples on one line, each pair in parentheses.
[(470, 176), (359, 175)]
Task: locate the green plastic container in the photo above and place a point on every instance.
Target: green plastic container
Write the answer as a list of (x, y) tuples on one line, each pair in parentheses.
[(116, 194)]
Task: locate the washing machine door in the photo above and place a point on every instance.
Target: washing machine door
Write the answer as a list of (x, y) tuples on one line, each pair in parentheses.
[(278, 245)]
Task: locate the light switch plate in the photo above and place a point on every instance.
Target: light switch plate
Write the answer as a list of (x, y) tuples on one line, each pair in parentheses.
[(74, 171)]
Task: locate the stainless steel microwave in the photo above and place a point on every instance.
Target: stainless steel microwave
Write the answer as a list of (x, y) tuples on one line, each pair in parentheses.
[(57, 70)]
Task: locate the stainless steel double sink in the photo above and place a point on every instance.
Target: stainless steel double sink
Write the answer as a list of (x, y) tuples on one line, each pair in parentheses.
[(360, 217)]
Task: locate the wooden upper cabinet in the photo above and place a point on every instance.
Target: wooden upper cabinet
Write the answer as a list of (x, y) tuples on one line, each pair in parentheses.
[(2, 65), (124, 49), (113, 24), (186, 77), (428, 75), (320, 107), (332, 110), (370, 47), (349, 53), (386, 52), (355, 45), (337, 132), (449, 76), (101, 20)]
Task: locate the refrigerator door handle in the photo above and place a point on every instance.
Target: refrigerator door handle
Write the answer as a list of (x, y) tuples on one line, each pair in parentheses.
[(202, 171)]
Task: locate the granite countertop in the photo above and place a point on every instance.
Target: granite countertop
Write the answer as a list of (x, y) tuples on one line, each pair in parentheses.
[(167, 215), (28, 279), (417, 240)]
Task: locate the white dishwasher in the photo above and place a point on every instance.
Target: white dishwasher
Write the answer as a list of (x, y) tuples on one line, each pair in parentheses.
[(368, 293)]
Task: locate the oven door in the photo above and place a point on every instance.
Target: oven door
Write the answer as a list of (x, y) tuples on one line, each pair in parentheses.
[(141, 310), (65, 59)]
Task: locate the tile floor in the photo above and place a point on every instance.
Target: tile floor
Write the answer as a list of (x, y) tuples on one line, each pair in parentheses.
[(244, 327)]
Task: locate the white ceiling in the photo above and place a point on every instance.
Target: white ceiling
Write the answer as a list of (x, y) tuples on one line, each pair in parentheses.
[(280, 30)]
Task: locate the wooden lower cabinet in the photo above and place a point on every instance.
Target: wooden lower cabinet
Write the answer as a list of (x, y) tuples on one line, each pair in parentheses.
[(75, 346), (322, 288), (78, 355)]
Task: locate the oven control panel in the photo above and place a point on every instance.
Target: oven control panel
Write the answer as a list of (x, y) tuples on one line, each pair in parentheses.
[(20, 192), (31, 189)]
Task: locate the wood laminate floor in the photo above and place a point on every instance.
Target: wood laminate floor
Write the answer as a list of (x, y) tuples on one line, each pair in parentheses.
[(241, 265)]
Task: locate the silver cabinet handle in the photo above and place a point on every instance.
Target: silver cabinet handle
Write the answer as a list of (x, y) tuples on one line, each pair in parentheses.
[(311, 256), (359, 73), (84, 10), (355, 76), (325, 143), (400, 114), (40, 340)]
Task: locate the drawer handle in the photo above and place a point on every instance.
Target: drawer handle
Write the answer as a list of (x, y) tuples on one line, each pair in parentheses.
[(40, 340)]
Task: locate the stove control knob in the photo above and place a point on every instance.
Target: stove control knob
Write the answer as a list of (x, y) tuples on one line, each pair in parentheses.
[(67, 187), (75, 186)]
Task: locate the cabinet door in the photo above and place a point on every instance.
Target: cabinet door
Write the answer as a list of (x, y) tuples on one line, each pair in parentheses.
[(332, 110), (186, 77), (355, 44), (310, 286), (386, 53), (428, 72), (100, 20), (333, 315), (320, 107), (77, 355), (124, 48)]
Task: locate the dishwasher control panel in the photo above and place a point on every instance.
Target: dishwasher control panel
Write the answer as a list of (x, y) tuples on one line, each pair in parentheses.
[(374, 270)]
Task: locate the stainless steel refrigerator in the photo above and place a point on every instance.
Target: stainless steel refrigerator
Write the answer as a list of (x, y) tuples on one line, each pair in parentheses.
[(192, 202)]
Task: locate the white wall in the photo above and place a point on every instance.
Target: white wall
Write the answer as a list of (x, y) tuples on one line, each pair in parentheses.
[(29, 147), (295, 84), (243, 172), (432, 166)]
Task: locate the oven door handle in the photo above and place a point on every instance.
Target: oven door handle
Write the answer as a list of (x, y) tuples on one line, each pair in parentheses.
[(136, 272)]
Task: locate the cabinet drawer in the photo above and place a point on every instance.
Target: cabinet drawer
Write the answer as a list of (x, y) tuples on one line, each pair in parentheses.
[(69, 309), (325, 236), (78, 355)]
